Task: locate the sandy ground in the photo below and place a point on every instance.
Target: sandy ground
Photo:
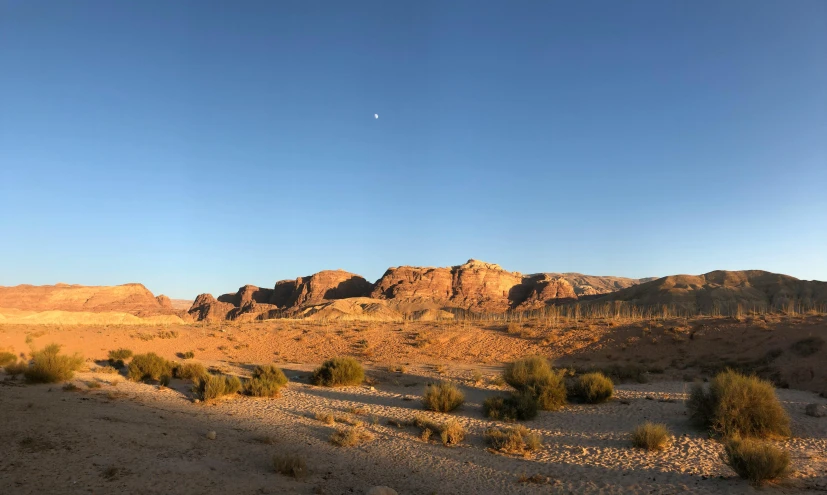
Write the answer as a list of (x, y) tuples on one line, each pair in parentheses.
[(135, 437)]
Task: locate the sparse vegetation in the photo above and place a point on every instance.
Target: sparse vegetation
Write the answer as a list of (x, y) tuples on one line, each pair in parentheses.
[(49, 366), (739, 405), (450, 433), (118, 357), (16, 368), (535, 376), (338, 372), (442, 397), (70, 387), (149, 366), (266, 381), (109, 370), (212, 387), (519, 406), (290, 465), (326, 418), (187, 355), (191, 371), (350, 437), (593, 388), (651, 436), (756, 460), (515, 440), (7, 358)]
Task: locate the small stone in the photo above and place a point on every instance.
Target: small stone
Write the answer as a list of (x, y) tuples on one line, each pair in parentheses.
[(816, 410), (211, 435)]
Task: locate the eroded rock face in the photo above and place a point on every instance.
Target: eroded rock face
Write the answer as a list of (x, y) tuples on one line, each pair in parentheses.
[(288, 296), (544, 287)]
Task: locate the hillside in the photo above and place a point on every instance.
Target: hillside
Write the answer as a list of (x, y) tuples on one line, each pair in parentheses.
[(724, 291)]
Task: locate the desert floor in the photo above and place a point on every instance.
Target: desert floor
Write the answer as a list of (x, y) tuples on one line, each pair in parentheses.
[(137, 437)]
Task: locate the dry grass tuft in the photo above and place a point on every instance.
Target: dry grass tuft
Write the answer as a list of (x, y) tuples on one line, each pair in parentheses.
[(350, 437), (533, 375), (516, 440), (190, 371), (651, 436), (442, 397), (519, 406), (756, 460), (593, 388)]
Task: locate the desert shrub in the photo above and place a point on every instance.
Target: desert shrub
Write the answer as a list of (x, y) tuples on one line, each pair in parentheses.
[(807, 347), (16, 368), (451, 432), (442, 397), (190, 371), (186, 355), (149, 366), (93, 384), (326, 418), (739, 405), (70, 387), (119, 355), (593, 388), (49, 366), (338, 372), (535, 376), (519, 406), (516, 440), (266, 381), (7, 358), (350, 437), (651, 436), (756, 460), (214, 386), (290, 465)]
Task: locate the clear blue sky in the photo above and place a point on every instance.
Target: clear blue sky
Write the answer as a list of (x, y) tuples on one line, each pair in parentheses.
[(198, 146)]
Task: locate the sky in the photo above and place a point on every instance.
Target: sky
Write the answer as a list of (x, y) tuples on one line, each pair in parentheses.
[(198, 146)]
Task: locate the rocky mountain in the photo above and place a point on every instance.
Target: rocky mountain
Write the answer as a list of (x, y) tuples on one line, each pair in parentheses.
[(63, 303), (725, 290), (134, 299), (474, 286)]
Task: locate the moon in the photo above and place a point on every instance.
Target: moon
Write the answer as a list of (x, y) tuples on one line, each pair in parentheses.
[(376, 116)]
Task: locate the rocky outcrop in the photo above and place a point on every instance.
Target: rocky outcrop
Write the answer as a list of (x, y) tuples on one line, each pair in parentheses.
[(286, 298), (419, 292)]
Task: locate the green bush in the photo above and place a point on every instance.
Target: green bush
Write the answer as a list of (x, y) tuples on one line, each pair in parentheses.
[(214, 386), (338, 372), (119, 355), (150, 366), (519, 406), (756, 460), (516, 440), (651, 436), (7, 358), (739, 405), (593, 388), (190, 371), (266, 381), (535, 376), (442, 397), (49, 366)]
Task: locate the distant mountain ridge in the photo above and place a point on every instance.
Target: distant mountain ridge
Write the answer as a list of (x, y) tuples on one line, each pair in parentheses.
[(473, 286)]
